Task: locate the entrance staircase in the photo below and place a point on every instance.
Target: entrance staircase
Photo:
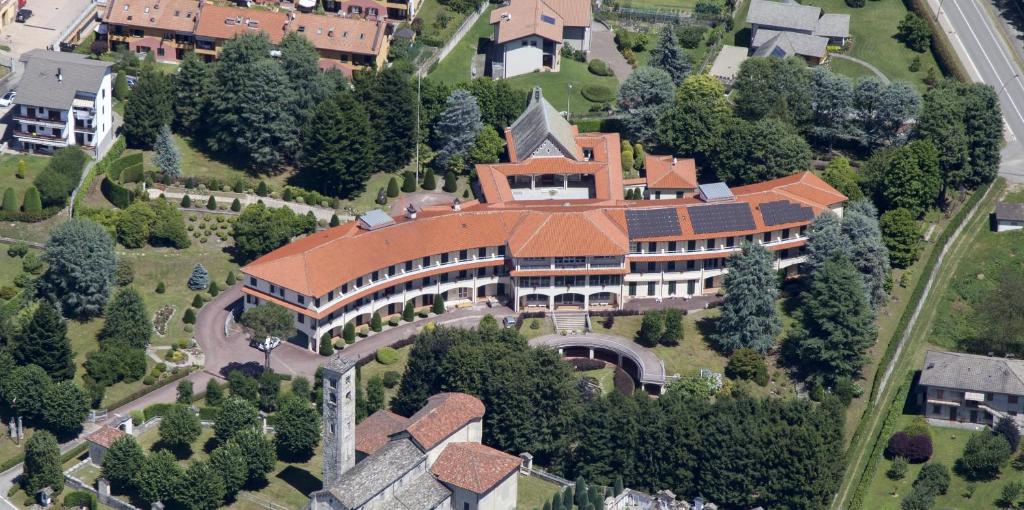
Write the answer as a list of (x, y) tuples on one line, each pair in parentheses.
[(570, 322)]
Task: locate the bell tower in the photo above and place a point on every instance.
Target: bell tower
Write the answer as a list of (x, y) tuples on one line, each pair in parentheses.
[(339, 418)]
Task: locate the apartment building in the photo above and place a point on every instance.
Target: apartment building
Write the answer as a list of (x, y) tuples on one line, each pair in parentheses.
[(171, 28), (63, 99), (551, 231), (162, 27), (970, 388)]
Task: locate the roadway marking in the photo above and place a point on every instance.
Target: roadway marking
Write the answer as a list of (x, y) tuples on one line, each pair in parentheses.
[(990, 63)]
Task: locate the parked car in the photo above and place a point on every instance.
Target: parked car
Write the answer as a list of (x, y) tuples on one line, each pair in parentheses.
[(509, 322), (132, 81), (23, 15), (8, 98)]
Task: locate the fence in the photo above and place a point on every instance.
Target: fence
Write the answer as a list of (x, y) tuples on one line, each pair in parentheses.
[(89, 10), (454, 41), (552, 478)]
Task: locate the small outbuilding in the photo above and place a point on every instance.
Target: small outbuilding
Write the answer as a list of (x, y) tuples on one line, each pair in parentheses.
[(101, 441), (1009, 216), (727, 64)]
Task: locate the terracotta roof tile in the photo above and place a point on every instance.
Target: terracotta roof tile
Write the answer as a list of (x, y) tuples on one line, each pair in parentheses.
[(376, 429), (568, 234), (444, 414), (169, 15), (523, 18), (473, 466), (105, 436), (213, 23), (575, 13), (351, 35), (667, 172)]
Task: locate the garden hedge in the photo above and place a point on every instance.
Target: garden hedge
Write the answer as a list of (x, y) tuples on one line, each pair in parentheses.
[(133, 173), (598, 93), (387, 356), (80, 499), (118, 195)]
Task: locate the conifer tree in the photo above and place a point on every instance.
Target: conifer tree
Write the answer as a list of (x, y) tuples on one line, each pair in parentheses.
[(349, 333), (867, 249), (262, 189), (825, 240), (236, 205), (375, 322), (337, 155), (429, 181), (81, 262), (451, 182), (166, 154), (211, 203), (408, 312), (10, 202), (120, 88), (149, 108), (191, 92), (335, 220), (230, 280), (186, 201), (127, 320), (42, 464), (673, 331), (200, 278), (456, 128), (32, 202), (669, 56), (44, 342), (392, 187), (749, 318), (391, 96), (438, 307), (837, 326), (408, 182)]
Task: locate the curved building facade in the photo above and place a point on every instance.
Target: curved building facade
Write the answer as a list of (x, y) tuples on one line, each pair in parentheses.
[(551, 231)]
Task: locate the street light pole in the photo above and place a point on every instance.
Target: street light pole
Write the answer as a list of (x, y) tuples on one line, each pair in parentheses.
[(1007, 83), (419, 101), (568, 99), (939, 10)]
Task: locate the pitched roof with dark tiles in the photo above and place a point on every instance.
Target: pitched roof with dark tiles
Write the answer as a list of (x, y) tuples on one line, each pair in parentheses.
[(973, 372), (52, 79)]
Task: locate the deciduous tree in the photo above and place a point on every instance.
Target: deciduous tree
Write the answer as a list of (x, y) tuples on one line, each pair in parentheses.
[(773, 87), (42, 464), (66, 407), (755, 152), (159, 477), (694, 123), (902, 236), (235, 414), (201, 487), (123, 461), (297, 429), (269, 319), (179, 427)]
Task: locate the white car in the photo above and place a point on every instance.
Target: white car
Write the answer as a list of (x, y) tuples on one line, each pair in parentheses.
[(8, 98)]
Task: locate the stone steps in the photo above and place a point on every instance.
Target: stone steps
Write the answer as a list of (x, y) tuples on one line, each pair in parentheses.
[(569, 321)]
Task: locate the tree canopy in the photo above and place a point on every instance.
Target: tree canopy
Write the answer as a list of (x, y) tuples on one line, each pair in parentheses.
[(80, 262), (749, 318)]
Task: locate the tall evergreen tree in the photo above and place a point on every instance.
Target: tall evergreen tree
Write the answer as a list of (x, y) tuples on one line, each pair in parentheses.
[(337, 156), (44, 342), (882, 110), (868, 253), (749, 318), (825, 240), (836, 323), (167, 156), (127, 320), (392, 99), (668, 56), (902, 236), (831, 107), (456, 128), (192, 85), (301, 64), (80, 262), (149, 107), (644, 97), (266, 133)]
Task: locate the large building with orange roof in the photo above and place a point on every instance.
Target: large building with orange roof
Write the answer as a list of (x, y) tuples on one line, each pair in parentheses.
[(551, 230), (171, 28)]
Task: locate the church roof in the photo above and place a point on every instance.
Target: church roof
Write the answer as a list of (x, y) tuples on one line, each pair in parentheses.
[(538, 124)]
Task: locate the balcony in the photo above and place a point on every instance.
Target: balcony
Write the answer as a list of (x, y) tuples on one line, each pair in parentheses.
[(717, 249), (45, 121), (25, 136)]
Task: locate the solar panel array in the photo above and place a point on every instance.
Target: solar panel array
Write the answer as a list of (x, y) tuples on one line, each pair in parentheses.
[(643, 223), (784, 211), (711, 219)]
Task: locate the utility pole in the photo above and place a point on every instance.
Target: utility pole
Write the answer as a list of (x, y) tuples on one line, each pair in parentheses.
[(419, 101), (568, 100)]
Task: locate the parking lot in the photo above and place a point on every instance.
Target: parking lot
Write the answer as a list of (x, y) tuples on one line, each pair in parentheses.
[(49, 17)]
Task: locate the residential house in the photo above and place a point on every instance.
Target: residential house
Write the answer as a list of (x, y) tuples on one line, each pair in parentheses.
[(529, 34), (551, 230), (1009, 216), (63, 99), (786, 29), (342, 42), (432, 460), (727, 64), (970, 388), (162, 27)]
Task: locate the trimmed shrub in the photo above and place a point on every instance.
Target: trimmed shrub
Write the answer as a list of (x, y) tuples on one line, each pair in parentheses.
[(118, 195), (451, 182), (898, 469), (133, 173), (747, 364), (236, 205), (599, 67), (387, 356), (375, 322), (211, 203), (80, 499), (391, 379), (189, 317), (262, 189), (32, 202), (160, 287), (392, 187), (186, 201), (598, 93), (326, 349), (408, 313), (10, 201), (438, 307), (349, 333), (408, 182), (983, 456), (429, 181)]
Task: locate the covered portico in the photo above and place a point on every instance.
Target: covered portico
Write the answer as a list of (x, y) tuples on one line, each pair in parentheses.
[(572, 186)]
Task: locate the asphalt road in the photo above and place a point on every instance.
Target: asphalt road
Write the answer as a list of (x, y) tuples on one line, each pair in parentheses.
[(977, 36)]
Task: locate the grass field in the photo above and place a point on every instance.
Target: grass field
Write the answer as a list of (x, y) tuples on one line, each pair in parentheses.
[(430, 12), (948, 444), (993, 256), (674, 5), (849, 68), (873, 29), (374, 368), (534, 492), (605, 378), (455, 68), (9, 168), (10, 267), (196, 163), (556, 85)]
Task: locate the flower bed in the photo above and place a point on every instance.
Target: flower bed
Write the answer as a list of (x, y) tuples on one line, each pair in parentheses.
[(162, 318)]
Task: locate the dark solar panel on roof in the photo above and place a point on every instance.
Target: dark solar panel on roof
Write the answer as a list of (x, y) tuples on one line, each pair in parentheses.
[(710, 219), (784, 211), (643, 223)]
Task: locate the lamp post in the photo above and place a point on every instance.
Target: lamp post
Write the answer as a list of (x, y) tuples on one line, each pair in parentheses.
[(1007, 83), (939, 10), (568, 100)]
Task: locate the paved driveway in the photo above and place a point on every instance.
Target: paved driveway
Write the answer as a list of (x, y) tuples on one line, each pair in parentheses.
[(602, 46), (49, 17)]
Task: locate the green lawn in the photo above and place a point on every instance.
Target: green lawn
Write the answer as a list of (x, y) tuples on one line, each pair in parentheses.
[(374, 368), (992, 256), (543, 327), (196, 163), (10, 266), (948, 444), (556, 85), (605, 378), (873, 28), (455, 68), (849, 68), (534, 492), (9, 168), (675, 5), (433, 31)]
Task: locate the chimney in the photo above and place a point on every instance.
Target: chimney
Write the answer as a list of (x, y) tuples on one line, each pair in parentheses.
[(410, 212), (674, 160), (456, 205), (60, 75)]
